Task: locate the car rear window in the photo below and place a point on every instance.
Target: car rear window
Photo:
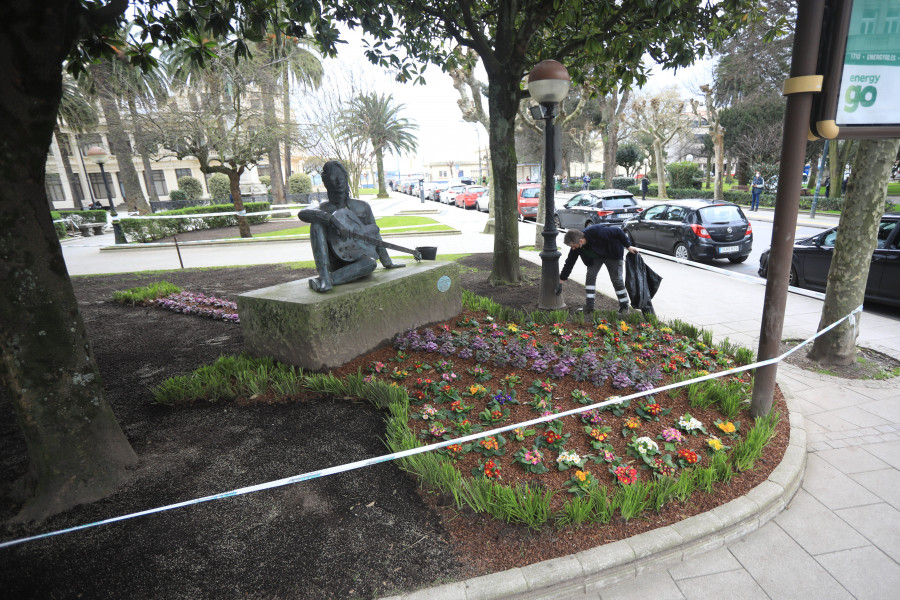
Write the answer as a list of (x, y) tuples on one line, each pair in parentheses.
[(720, 214), (531, 192), (623, 202), (475, 190)]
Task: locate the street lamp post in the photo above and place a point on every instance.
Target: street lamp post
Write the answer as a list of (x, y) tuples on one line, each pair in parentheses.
[(98, 156), (548, 84)]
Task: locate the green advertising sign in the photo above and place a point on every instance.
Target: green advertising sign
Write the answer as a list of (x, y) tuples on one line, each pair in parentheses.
[(860, 61)]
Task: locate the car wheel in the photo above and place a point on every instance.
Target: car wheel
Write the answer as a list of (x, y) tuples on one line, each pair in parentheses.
[(682, 252), (793, 279), (588, 224), (477, 206), (738, 259), (558, 223)]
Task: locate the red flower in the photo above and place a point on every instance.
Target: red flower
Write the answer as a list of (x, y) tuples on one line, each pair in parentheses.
[(689, 456)]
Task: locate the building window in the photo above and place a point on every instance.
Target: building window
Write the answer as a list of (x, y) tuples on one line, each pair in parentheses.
[(99, 188), (179, 173), (75, 184), (54, 187), (264, 170), (159, 182)]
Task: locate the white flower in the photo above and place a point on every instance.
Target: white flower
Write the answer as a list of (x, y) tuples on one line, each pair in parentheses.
[(568, 457), (645, 445), (689, 424)]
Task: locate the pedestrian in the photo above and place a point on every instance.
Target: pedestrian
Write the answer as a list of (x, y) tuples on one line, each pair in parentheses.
[(645, 187), (565, 183), (585, 181), (827, 185), (483, 180), (598, 245), (757, 186), (844, 186)]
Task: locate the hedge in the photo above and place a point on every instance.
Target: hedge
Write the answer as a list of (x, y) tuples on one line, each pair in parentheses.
[(147, 230), (80, 217), (60, 227)]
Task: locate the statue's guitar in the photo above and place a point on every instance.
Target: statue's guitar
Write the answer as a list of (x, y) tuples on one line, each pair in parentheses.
[(350, 238)]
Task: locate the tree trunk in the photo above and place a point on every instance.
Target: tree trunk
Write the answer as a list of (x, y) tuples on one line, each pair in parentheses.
[(143, 150), (660, 168), (503, 103), (267, 83), (719, 148), (234, 180), (63, 143), (813, 173), (835, 170), (379, 166), (118, 141), (286, 110), (77, 451), (856, 240)]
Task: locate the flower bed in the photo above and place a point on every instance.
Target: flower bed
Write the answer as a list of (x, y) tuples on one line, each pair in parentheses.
[(481, 373), (201, 305)]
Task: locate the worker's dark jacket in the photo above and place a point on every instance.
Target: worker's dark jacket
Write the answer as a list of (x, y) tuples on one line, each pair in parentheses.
[(603, 243)]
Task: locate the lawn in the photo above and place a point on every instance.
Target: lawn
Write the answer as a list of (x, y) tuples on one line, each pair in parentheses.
[(386, 224)]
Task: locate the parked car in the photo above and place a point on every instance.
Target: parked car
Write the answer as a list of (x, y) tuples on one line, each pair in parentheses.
[(812, 260), (527, 201), (483, 204), (448, 196), (693, 230), (607, 207), (432, 186), (468, 197)]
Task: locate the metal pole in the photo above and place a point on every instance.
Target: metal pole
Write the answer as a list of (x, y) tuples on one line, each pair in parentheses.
[(796, 128), (117, 229), (549, 255), (812, 210), (178, 250)]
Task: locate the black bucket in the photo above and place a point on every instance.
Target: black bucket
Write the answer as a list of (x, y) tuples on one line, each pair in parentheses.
[(427, 252)]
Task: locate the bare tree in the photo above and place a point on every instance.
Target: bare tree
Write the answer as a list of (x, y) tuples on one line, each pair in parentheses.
[(716, 134), (662, 118)]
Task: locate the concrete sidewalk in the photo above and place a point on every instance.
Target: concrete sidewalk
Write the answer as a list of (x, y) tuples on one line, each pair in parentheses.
[(838, 536)]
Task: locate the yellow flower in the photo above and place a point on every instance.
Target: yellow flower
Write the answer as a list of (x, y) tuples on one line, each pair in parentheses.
[(727, 427), (602, 327), (714, 443), (623, 326), (581, 475), (511, 327), (632, 423)]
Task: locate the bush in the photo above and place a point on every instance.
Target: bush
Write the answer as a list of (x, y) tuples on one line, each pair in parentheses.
[(681, 174), (80, 217), (219, 187), (190, 186), (300, 183), (623, 183), (147, 230), (176, 195), (596, 184), (60, 227), (266, 180)]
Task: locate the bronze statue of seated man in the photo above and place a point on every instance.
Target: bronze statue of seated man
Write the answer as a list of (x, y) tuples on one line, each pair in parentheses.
[(340, 257)]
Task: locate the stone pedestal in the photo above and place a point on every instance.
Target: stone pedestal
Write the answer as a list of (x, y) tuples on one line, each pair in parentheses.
[(295, 325)]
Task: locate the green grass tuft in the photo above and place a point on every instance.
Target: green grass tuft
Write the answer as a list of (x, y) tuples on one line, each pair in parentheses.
[(152, 291)]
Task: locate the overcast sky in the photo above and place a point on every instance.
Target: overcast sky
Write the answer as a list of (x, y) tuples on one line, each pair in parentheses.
[(442, 134)]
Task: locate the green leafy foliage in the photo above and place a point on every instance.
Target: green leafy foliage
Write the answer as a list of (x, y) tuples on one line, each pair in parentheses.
[(147, 230), (682, 174), (143, 293), (300, 183), (190, 186), (219, 187)]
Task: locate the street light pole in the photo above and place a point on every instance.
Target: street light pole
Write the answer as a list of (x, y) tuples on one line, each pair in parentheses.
[(99, 156), (548, 84)]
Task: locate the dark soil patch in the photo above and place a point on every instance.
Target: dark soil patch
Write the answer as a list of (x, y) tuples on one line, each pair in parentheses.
[(870, 364), (362, 534)]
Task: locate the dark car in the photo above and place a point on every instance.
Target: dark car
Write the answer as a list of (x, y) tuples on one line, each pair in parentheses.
[(693, 230), (597, 207), (812, 260)]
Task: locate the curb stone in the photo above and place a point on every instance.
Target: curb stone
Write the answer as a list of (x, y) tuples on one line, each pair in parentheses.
[(594, 569)]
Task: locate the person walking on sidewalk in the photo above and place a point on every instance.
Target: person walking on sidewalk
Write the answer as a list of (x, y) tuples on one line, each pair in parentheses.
[(598, 245), (757, 185), (645, 187), (585, 181)]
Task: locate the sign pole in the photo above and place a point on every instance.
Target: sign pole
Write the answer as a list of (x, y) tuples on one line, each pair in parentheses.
[(799, 90)]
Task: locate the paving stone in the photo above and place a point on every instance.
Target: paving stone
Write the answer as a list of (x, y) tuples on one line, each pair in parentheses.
[(641, 588), (867, 572), (832, 488), (553, 572), (597, 561), (830, 421), (853, 460), (782, 568), (816, 528), (879, 522), (735, 585), (837, 398), (838, 444), (708, 563), (889, 452)]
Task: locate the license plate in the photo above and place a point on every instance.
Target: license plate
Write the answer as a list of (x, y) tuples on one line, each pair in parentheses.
[(728, 249)]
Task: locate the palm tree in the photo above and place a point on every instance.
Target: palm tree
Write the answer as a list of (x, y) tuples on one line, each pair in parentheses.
[(78, 114), (377, 119)]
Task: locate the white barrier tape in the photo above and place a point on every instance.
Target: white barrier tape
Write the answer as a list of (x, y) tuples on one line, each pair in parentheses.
[(422, 449)]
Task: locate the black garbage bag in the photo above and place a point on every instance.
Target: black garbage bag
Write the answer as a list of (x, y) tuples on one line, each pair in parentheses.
[(641, 282)]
